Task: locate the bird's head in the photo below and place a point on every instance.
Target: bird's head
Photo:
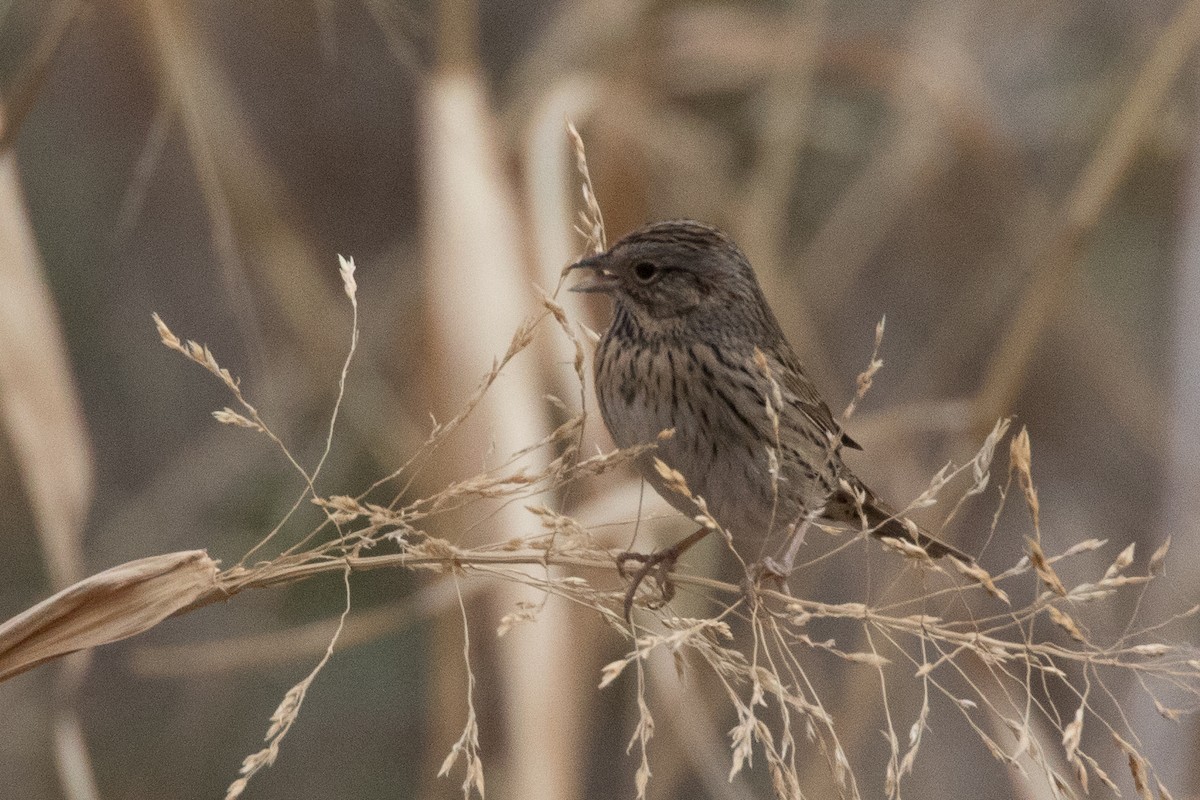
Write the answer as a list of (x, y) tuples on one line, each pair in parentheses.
[(668, 270)]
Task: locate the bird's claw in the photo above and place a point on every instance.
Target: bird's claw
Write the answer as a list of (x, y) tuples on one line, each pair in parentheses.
[(770, 570), (657, 565), (623, 557), (767, 573)]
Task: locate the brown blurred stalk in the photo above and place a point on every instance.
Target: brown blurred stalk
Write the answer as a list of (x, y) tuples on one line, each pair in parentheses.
[(43, 418)]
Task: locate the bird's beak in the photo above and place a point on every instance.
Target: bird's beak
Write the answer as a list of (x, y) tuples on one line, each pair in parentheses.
[(600, 279)]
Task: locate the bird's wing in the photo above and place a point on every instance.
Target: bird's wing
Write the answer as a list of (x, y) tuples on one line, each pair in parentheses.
[(800, 392)]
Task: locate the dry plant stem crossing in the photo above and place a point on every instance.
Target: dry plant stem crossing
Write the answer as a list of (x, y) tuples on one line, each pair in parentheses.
[(236, 580)]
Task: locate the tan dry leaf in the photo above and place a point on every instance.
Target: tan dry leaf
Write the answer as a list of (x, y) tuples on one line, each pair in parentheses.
[(1073, 733), (1137, 767), (906, 548), (870, 659), (592, 219), (1065, 622), (981, 576), (1086, 546), (109, 606), (1123, 560), (1167, 712), (1087, 593), (673, 478), (611, 670), (1044, 570), (1158, 559), (346, 271), (526, 612), (1154, 650), (1021, 457), (852, 610), (227, 416)]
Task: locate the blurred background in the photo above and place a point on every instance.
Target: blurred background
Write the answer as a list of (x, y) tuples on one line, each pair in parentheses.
[(1013, 185)]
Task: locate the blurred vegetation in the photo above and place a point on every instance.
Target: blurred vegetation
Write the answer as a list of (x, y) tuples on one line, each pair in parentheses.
[(1012, 185)]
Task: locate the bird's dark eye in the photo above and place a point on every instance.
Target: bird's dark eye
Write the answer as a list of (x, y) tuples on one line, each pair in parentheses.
[(644, 271)]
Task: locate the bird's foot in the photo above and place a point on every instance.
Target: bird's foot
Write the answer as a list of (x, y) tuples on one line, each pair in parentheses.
[(767, 573), (770, 570), (657, 565)]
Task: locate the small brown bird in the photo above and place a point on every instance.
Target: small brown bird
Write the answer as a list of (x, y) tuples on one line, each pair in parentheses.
[(681, 353)]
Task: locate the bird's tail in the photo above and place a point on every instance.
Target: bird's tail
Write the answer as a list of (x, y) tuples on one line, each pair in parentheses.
[(887, 524)]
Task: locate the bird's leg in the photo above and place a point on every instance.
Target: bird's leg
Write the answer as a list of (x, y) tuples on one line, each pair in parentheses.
[(659, 564), (781, 568), (777, 570)]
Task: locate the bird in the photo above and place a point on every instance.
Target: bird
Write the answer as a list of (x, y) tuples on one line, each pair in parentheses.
[(695, 362)]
